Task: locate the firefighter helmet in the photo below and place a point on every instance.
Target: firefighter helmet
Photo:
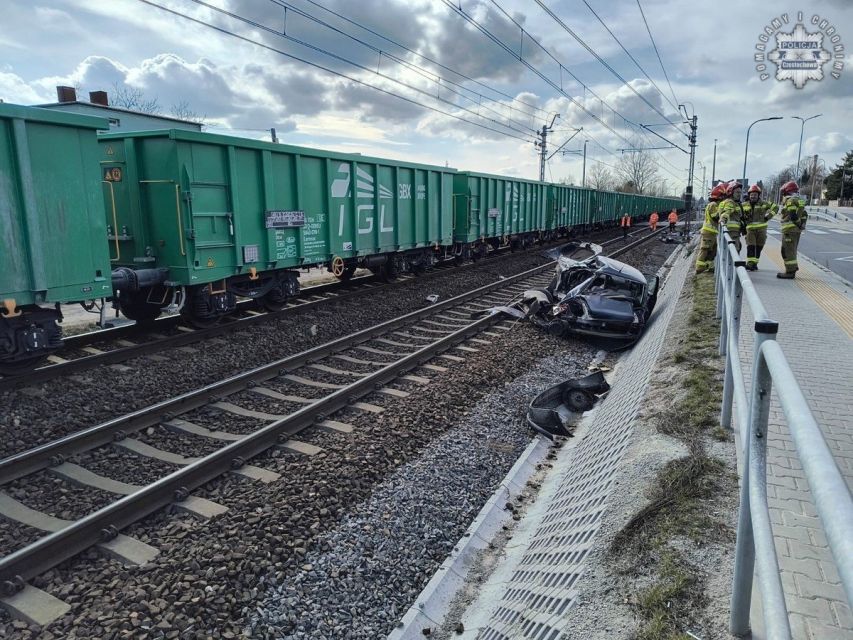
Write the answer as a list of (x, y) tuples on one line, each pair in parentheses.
[(755, 189), (790, 187), (718, 191), (731, 186)]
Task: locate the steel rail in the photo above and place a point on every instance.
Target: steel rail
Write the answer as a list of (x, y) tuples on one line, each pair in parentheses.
[(56, 547), (52, 453), (332, 290), (43, 374), (339, 291), (55, 452), (105, 523)]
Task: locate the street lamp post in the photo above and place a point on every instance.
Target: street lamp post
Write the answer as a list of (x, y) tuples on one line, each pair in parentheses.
[(746, 147), (714, 163), (802, 126)]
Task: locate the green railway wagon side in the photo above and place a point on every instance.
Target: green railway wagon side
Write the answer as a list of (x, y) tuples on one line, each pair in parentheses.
[(571, 205), (52, 225), (493, 210), (234, 217)]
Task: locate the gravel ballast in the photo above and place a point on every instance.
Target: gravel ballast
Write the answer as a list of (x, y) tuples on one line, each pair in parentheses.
[(211, 577)]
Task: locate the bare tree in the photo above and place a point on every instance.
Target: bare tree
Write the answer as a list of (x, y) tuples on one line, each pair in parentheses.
[(182, 111), (133, 98), (599, 177), (638, 170), (566, 180)]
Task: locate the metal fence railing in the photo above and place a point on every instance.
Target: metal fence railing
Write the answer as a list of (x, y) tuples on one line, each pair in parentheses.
[(756, 551)]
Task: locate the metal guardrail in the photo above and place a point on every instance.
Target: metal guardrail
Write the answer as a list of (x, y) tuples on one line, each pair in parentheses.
[(756, 551)]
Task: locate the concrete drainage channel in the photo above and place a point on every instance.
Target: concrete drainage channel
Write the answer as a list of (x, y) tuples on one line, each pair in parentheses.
[(535, 583)]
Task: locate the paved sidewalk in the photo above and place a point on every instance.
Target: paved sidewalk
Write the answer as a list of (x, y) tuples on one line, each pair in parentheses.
[(815, 315)]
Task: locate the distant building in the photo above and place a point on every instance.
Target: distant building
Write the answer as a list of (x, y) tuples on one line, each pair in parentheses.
[(120, 119)]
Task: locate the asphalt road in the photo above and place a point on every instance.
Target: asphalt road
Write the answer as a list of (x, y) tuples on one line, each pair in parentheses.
[(830, 244)]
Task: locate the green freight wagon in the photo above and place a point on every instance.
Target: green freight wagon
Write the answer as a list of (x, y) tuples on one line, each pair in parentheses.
[(229, 217), (53, 227), (569, 206), (490, 210)]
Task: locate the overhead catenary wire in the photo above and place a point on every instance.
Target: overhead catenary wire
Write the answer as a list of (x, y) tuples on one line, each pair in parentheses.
[(544, 112), (651, 37), (520, 58), (328, 70), (441, 81), (630, 55), (601, 60), (361, 67), (476, 24)]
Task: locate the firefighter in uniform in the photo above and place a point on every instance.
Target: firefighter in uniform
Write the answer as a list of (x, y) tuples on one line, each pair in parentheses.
[(708, 243), (793, 217), (756, 214), (731, 211)]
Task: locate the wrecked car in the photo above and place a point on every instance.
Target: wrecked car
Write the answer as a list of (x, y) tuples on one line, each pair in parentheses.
[(591, 295)]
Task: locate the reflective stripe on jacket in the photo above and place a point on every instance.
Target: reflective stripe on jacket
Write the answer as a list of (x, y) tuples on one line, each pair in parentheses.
[(711, 217)]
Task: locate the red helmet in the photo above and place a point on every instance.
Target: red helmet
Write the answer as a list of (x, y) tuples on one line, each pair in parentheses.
[(755, 189), (718, 192), (790, 187), (731, 186)]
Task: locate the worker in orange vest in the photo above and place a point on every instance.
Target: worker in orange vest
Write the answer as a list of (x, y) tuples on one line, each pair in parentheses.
[(653, 220), (673, 220), (626, 225)]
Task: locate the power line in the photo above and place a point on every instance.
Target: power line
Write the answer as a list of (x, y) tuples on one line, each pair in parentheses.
[(467, 17), (340, 58), (421, 71), (633, 59), (592, 52), (651, 37), (427, 58), (328, 70), (562, 67)]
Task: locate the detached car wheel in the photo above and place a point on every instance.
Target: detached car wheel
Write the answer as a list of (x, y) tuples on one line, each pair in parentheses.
[(578, 400)]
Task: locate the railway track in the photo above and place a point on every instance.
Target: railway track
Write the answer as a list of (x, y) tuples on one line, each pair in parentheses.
[(122, 343), (363, 363)]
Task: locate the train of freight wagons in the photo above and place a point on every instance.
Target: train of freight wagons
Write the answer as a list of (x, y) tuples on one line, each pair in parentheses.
[(181, 219)]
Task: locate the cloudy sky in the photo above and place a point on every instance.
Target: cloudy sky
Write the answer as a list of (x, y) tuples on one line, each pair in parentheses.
[(418, 80)]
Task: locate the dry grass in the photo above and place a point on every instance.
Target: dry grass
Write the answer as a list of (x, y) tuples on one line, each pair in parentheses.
[(684, 488)]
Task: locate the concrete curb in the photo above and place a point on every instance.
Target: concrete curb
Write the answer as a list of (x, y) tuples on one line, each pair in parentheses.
[(433, 603)]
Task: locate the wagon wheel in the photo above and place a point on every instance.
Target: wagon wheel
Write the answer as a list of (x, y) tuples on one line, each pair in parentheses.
[(136, 308), (348, 273), (338, 266), (274, 300)]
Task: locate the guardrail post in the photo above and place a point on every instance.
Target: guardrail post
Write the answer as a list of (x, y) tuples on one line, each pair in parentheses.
[(719, 268), (756, 429), (732, 359)]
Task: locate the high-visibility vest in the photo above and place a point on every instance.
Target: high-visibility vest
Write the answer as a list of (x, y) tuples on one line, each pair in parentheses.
[(793, 214), (673, 217), (654, 217), (626, 221), (712, 218), (757, 214)]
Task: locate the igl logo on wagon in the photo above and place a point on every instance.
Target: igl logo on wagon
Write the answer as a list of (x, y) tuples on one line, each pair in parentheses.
[(799, 54)]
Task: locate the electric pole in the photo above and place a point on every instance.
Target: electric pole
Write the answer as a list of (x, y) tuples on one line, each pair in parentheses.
[(543, 146), (583, 175), (688, 193)]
